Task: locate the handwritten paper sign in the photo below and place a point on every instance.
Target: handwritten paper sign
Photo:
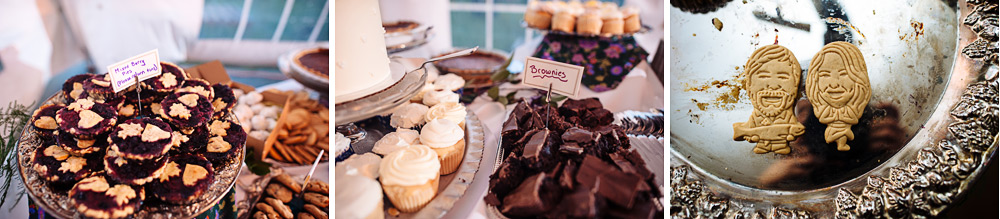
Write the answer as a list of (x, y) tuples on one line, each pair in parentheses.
[(564, 78), (145, 66)]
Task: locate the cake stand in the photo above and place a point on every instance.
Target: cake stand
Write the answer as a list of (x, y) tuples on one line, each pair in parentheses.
[(312, 81), (408, 84), (407, 40)]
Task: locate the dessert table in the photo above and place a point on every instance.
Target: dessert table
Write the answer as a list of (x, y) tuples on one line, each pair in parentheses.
[(640, 81)]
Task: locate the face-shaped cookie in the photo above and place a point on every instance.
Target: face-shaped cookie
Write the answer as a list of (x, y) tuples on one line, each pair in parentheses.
[(838, 88), (771, 79)]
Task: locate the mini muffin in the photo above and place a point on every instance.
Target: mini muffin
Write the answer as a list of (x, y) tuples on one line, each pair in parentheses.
[(132, 172), (141, 139), (454, 112), (81, 147), (95, 197), (191, 143), (186, 109), (448, 140), (184, 178), (589, 23), (224, 100), (198, 86), (169, 80), (536, 17), (226, 138), (59, 167), (632, 23), (86, 119), (564, 20), (99, 88), (44, 119), (73, 87), (614, 22), (410, 177)]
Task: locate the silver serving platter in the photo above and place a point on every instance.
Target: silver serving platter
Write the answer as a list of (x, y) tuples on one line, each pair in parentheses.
[(58, 204), (451, 187), (931, 125), (407, 84)]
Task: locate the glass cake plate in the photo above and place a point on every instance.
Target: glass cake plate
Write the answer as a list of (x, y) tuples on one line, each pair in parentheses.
[(407, 84), (919, 145), (59, 205)]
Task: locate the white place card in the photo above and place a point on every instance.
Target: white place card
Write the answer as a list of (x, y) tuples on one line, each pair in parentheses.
[(564, 78), (145, 66)]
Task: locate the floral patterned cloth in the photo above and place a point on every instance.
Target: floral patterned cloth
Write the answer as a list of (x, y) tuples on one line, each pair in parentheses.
[(225, 209), (606, 60)]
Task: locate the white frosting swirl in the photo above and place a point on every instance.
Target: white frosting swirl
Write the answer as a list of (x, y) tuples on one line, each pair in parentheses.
[(341, 143), (393, 141), (420, 95), (450, 82), (408, 116), (451, 111), (360, 164), (440, 133), (410, 166), (356, 196), (432, 98)]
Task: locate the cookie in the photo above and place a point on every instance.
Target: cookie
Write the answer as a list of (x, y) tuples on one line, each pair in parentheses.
[(267, 210), (290, 183), (318, 187), (86, 119), (279, 207), (279, 192), (95, 197), (184, 178), (141, 139), (771, 78), (838, 89), (317, 199), (316, 211)]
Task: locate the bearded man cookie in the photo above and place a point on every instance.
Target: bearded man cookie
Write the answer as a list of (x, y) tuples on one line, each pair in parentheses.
[(838, 88), (772, 81)]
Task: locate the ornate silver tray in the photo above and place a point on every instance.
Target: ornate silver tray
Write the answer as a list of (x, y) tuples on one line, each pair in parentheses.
[(931, 123), (451, 187), (58, 203)]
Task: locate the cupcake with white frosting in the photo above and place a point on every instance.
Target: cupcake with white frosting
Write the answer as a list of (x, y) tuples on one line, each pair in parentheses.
[(342, 146), (393, 141), (450, 82), (410, 177), (366, 164), (447, 139), (409, 116), (358, 197), (432, 98), (419, 98), (451, 111)]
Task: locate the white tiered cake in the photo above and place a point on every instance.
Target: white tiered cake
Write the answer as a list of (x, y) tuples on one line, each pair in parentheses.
[(362, 64)]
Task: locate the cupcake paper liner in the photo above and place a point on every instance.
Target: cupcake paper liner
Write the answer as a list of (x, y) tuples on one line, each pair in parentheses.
[(411, 198)]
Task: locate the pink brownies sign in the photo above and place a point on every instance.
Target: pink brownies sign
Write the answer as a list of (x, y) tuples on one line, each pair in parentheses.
[(143, 66), (564, 78)]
